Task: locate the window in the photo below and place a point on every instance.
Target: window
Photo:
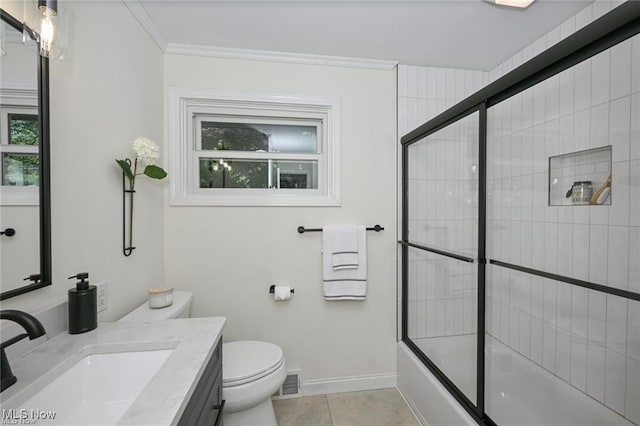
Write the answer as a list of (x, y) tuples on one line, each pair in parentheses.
[(19, 146), (20, 160), (253, 150)]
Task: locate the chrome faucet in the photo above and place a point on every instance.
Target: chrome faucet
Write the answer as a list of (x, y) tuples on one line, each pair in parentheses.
[(33, 328)]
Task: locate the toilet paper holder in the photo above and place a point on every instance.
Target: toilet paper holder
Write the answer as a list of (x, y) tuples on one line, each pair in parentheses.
[(272, 289)]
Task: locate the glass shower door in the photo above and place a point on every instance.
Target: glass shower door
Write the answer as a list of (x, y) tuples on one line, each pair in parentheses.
[(441, 246)]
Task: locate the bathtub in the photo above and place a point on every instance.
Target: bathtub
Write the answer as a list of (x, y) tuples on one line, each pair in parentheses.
[(518, 391)]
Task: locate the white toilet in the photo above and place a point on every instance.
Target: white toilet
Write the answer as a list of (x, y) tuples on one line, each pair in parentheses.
[(252, 371)]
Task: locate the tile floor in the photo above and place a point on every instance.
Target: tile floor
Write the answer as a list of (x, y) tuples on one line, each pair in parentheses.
[(378, 407)]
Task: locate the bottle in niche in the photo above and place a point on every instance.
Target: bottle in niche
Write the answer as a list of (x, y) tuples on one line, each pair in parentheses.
[(83, 305), (581, 192)]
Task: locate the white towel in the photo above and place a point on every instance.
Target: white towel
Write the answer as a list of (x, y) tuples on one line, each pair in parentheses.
[(344, 284), (344, 246)]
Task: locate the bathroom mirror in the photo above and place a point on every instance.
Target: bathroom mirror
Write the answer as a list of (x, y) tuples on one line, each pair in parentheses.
[(25, 234)]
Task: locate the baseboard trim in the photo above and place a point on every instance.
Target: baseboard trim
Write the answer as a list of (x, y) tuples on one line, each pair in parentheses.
[(349, 384)]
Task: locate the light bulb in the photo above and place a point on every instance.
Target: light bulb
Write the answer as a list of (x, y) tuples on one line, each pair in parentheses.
[(46, 36)]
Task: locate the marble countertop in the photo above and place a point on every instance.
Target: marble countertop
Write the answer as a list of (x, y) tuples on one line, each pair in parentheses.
[(164, 398)]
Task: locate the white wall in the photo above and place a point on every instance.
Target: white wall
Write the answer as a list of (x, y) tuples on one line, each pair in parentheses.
[(108, 92), (228, 256), (19, 66)]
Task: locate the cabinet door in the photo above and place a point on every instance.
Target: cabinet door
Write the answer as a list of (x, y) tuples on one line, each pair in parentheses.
[(211, 413), (205, 406)]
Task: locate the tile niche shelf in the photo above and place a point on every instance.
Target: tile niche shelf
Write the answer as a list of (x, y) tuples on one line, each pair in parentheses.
[(590, 165)]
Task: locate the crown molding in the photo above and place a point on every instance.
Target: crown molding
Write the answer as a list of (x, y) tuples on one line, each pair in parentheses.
[(271, 56), (146, 22)]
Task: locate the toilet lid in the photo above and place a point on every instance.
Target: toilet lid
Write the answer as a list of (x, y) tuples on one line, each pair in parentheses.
[(248, 360)]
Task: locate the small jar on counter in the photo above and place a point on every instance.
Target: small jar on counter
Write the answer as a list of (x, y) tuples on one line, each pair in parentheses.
[(160, 297)]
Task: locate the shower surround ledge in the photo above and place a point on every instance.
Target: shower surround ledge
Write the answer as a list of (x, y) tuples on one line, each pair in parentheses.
[(165, 397)]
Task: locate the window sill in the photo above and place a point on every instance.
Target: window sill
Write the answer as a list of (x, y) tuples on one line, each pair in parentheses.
[(258, 198)]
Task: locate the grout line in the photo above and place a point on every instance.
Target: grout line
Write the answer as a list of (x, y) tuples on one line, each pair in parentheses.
[(326, 397)]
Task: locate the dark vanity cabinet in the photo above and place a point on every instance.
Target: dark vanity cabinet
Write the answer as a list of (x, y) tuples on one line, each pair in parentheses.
[(206, 404)]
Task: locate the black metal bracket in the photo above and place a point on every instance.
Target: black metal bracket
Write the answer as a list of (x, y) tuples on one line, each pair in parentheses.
[(272, 289), (302, 229), (9, 232), (33, 277), (127, 249)]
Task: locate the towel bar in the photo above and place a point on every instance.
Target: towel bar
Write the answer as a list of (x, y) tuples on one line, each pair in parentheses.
[(302, 229)]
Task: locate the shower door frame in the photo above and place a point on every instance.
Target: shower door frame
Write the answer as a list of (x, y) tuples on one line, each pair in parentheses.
[(618, 25)]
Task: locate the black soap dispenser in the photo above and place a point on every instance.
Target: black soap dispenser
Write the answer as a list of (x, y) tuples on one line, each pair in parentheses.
[(83, 305)]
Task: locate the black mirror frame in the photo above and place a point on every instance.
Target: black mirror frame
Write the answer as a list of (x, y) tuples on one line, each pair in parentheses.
[(45, 169)]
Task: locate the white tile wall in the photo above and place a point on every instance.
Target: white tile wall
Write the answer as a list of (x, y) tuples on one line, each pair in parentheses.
[(443, 293), (632, 408), (435, 89)]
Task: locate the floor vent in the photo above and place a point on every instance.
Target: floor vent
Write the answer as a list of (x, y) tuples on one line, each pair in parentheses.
[(291, 386)]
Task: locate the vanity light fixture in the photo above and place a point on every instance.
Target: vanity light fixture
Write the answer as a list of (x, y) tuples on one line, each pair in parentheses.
[(49, 10), (522, 4), (46, 26)]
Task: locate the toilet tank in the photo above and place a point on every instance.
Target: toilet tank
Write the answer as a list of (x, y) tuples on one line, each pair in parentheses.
[(180, 308)]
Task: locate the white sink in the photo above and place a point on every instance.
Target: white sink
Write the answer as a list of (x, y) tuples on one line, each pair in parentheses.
[(124, 373), (97, 389)]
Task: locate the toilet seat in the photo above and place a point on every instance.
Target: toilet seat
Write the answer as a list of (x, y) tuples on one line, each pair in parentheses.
[(248, 361)]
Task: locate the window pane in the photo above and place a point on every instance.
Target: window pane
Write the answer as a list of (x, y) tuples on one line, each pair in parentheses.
[(219, 136), (229, 173), (294, 174), (20, 169), (23, 129), (219, 173)]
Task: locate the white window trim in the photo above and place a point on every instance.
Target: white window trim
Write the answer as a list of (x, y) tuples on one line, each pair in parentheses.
[(12, 99), (184, 103)]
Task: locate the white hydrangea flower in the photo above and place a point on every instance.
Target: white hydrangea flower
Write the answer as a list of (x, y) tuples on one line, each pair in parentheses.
[(146, 150)]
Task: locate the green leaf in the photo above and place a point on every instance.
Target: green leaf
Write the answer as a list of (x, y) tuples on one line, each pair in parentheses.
[(155, 172), (126, 168)]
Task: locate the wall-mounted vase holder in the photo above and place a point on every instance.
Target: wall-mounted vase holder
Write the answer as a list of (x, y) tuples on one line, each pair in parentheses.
[(127, 245)]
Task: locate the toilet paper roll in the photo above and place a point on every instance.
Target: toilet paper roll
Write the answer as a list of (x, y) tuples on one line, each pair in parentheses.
[(282, 292)]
